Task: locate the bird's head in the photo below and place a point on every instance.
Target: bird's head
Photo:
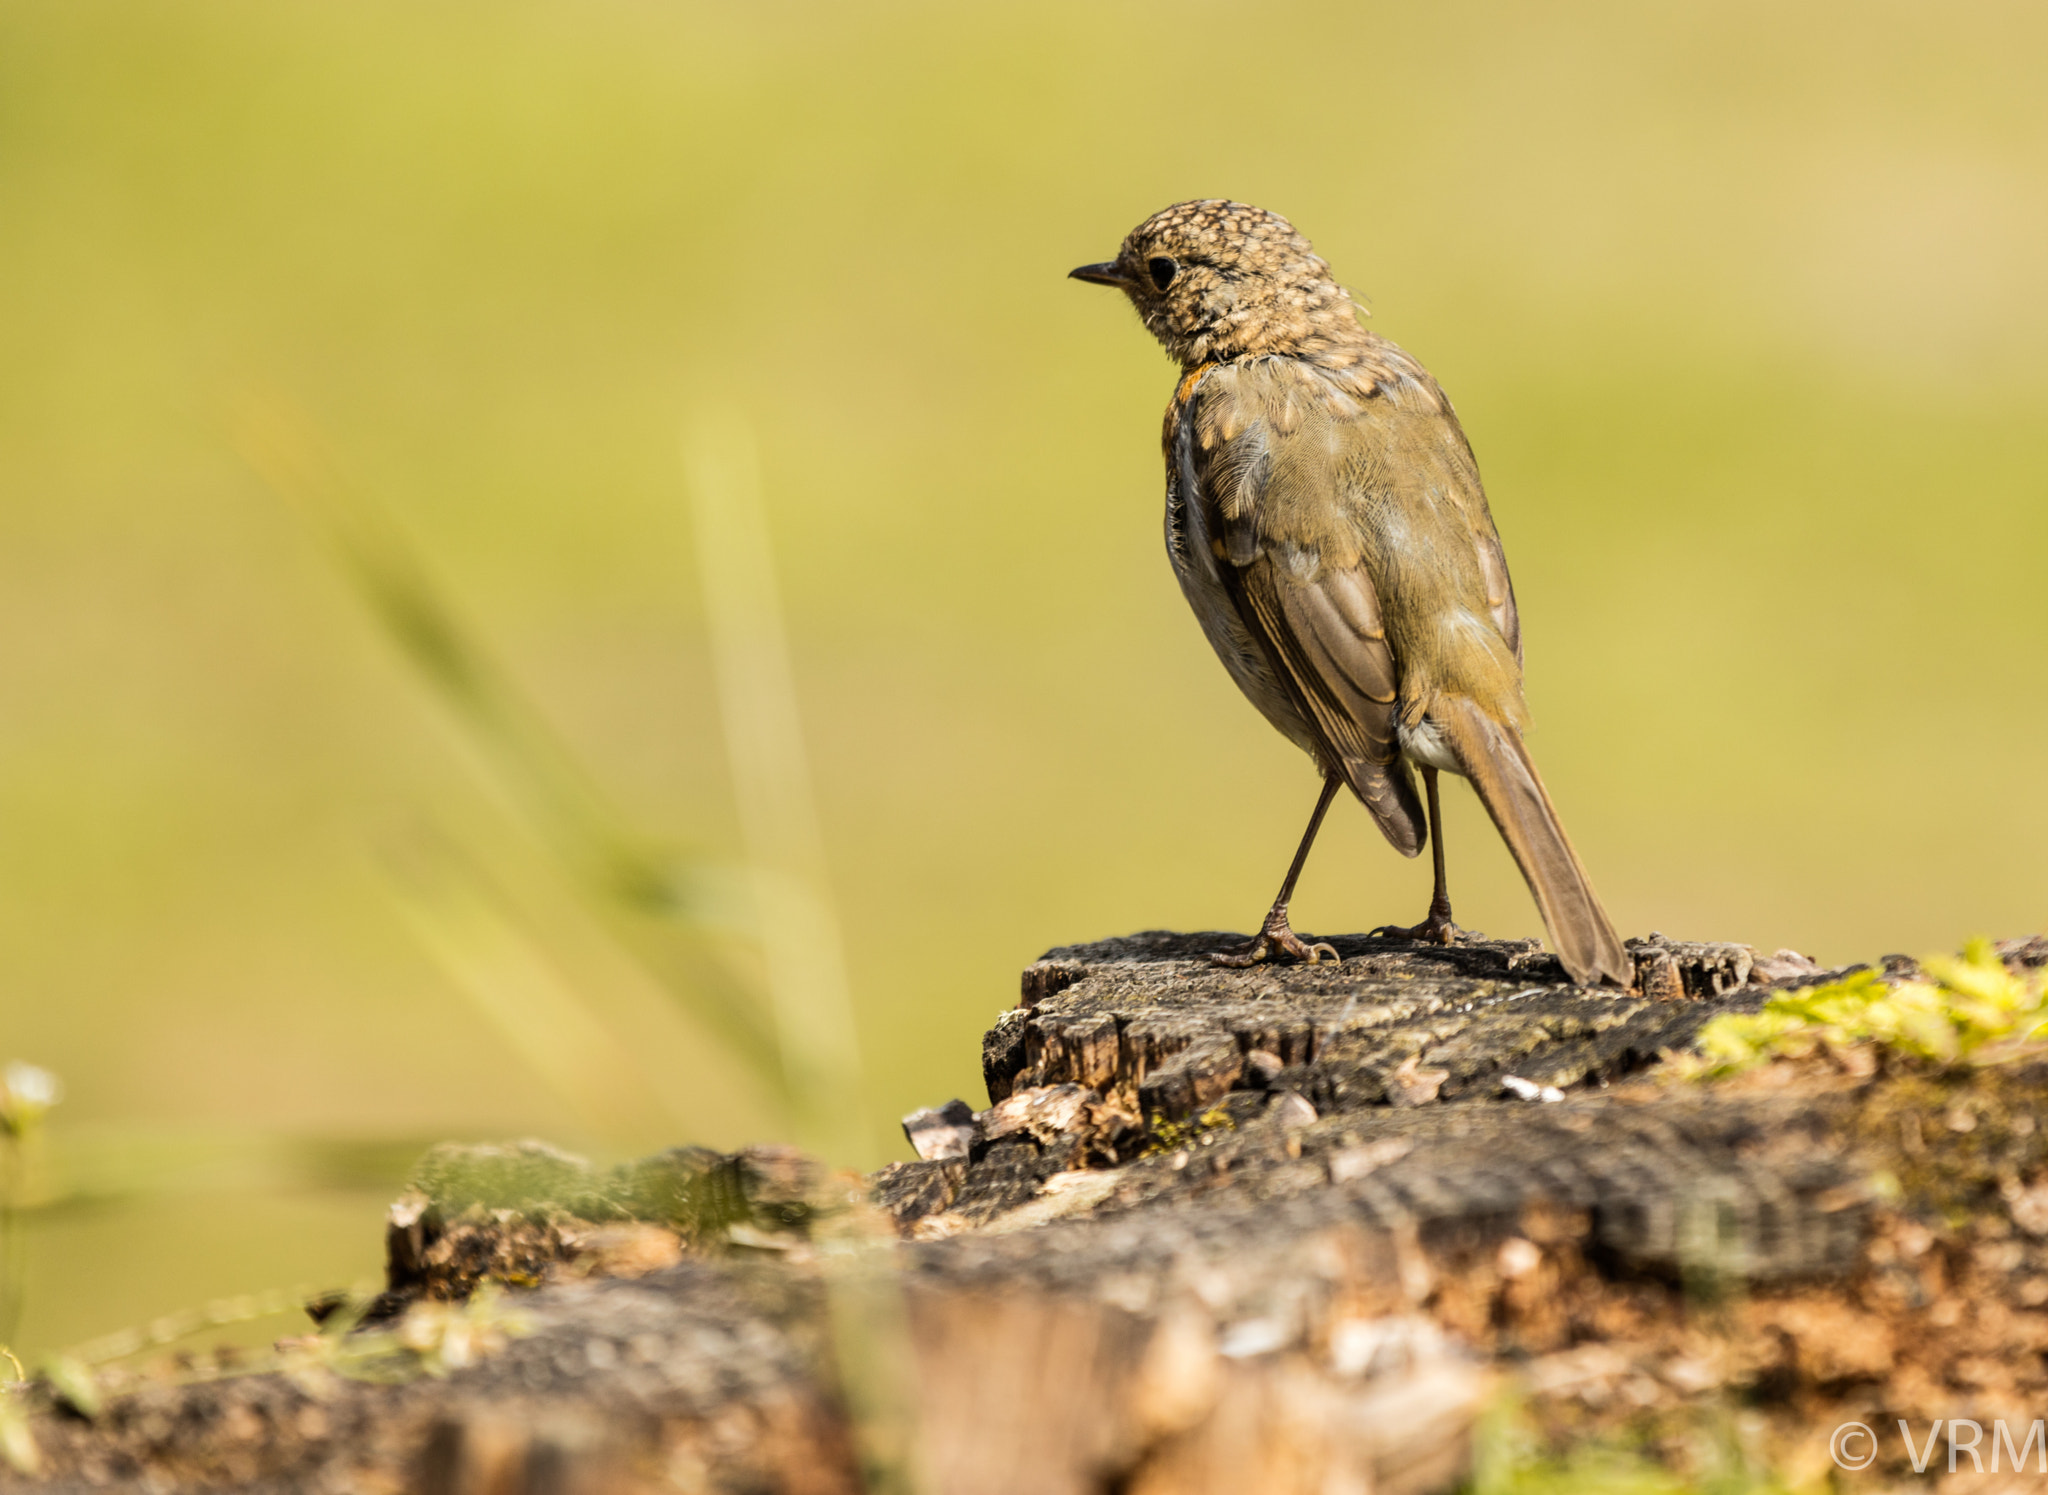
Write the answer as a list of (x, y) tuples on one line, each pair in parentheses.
[(1217, 280)]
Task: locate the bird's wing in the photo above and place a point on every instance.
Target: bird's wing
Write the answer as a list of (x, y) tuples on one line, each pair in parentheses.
[(1297, 575), (1354, 540), (1471, 500)]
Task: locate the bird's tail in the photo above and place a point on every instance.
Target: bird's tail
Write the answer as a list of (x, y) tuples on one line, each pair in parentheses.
[(1501, 770)]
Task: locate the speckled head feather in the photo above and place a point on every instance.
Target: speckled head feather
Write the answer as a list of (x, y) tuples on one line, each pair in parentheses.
[(1216, 280)]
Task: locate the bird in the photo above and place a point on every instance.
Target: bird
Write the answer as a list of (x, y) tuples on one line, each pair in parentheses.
[(1325, 519)]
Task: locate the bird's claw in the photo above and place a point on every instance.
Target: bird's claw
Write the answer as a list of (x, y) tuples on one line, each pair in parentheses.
[(1275, 936), (1436, 929)]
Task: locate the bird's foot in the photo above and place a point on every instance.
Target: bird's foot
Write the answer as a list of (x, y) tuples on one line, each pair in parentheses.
[(1435, 929), (1275, 937)]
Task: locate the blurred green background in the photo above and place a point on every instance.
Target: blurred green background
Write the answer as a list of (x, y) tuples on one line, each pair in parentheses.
[(1742, 306)]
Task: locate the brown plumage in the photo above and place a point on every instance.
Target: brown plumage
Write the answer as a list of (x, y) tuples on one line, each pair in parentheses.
[(1326, 521)]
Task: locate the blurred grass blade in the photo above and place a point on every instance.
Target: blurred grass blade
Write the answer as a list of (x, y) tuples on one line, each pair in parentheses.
[(89, 1165), (531, 761), (798, 931), (657, 904), (523, 996), (799, 934)]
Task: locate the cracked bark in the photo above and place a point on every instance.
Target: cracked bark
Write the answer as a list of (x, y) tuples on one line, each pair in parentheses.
[(1199, 1242)]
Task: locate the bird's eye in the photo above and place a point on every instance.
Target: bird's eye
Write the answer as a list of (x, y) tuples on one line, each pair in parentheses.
[(1162, 270)]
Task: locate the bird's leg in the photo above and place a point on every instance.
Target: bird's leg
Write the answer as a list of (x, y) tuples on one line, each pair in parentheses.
[(1436, 928), (1274, 934)]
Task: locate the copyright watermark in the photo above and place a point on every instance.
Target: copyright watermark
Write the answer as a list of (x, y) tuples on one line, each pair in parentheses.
[(1856, 1445)]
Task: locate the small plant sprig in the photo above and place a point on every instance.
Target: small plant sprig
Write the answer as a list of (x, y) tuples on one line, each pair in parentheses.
[(432, 1339), (436, 1338), (26, 1095), (1971, 1008)]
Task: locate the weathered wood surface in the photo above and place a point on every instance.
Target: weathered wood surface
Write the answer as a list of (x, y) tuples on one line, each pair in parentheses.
[(1272, 1230), (1148, 1021)]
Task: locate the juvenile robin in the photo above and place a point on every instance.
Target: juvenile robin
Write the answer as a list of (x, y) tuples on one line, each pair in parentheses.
[(1325, 518)]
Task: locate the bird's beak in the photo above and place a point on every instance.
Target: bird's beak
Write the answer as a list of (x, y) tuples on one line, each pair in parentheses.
[(1105, 274)]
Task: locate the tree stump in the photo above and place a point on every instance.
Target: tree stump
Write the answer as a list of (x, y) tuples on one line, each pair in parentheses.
[(1280, 1229)]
